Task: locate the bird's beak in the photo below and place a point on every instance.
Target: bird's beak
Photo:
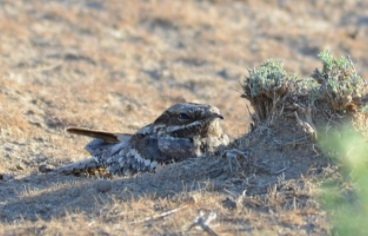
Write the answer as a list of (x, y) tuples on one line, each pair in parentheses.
[(217, 115)]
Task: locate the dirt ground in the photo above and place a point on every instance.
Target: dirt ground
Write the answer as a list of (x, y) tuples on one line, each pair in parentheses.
[(115, 66)]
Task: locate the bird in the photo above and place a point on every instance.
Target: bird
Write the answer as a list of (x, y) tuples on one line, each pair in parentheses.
[(184, 130)]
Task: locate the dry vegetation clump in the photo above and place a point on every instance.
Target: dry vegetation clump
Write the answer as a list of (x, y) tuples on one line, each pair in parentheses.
[(334, 92), (266, 86), (340, 84), (292, 114)]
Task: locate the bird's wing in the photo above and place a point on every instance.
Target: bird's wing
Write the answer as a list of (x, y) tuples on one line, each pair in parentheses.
[(178, 148), (105, 136)]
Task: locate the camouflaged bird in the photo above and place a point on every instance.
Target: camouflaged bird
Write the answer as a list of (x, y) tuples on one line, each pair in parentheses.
[(184, 130)]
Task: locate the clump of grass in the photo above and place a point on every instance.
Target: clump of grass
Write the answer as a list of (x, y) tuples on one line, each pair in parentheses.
[(272, 90), (347, 203), (341, 85), (266, 85), (270, 80)]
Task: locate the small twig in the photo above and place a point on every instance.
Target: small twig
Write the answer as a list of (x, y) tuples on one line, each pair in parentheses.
[(231, 193), (294, 142), (307, 127), (232, 155), (162, 215), (280, 171), (203, 222), (46, 68)]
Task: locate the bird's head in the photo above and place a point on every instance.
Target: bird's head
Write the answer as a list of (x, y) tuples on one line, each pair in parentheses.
[(189, 120)]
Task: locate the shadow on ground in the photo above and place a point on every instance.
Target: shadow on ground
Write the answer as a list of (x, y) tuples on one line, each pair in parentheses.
[(251, 171)]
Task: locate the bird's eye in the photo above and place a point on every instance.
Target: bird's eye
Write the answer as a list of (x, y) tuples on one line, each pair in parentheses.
[(183, 116)]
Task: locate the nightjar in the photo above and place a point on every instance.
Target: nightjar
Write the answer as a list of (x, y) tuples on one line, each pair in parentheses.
[(184, 130)]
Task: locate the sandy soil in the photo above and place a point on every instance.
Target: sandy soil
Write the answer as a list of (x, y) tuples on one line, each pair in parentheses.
[(116, 66)]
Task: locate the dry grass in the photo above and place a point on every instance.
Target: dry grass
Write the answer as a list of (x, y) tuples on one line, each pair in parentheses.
[(278, 211), (113, 66)]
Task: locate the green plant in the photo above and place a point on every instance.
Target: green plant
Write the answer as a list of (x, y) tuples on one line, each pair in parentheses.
[(266, 85), (341, 85), (347, 203), (270, 80)]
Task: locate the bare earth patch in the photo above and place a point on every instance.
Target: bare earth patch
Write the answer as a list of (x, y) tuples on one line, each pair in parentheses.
[(116, 66)]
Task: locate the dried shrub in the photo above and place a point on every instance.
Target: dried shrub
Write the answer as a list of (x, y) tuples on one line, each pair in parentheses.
[(335, 89), (340, 84), (266, 86)]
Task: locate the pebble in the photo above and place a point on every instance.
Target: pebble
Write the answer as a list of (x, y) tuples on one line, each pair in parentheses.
[(46, 168), (20, 166), (103, 186)]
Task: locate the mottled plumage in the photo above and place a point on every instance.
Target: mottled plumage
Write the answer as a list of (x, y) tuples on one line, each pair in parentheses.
[(183, 131)]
